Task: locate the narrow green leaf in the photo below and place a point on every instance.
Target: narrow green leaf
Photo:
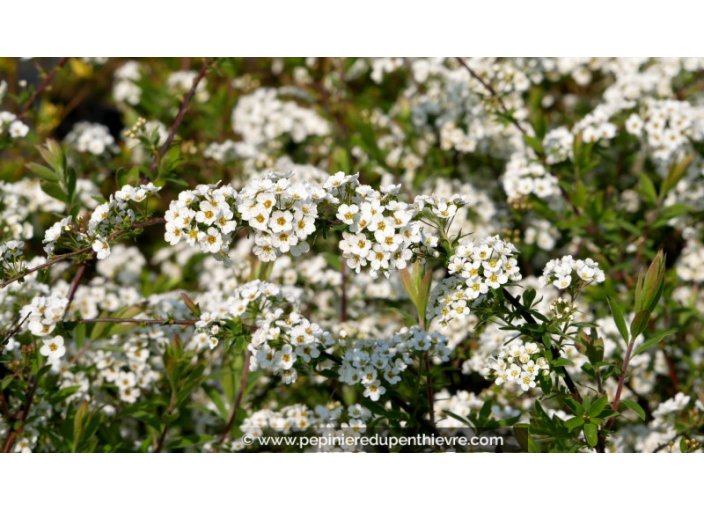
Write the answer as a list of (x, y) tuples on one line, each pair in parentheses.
[(43, 172), (598, 406), (640, 322), (634, 406), (653, 341), (80, 334), (591, 434), (561, 362), (676, 172), (54, 190), (618, 319), (575, 422), (647, 189)]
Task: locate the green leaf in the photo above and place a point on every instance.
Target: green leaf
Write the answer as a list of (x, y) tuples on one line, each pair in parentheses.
[(647, 189), (71, 185), (408, 319), (654, 340), (458, 417), (561, 362), (634, 406), (334, 260), (598, 406), (189, 441), (54, 190), (534, 144), (43, 172), (417, 287), (6, 382), (677, 171), (575, 422), (654, 282), (640, 322), (591, 434), (80, 334), (618, 319), (528, 297)]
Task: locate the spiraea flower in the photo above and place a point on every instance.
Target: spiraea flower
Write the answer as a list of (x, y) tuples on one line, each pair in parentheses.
[(563, 272)]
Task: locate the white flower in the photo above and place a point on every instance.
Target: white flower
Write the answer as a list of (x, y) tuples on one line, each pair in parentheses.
[(211, 241), (281, 221), (18, 129), (101, 248), (53, 348), (346, 213), (208, 213), (374, 390)]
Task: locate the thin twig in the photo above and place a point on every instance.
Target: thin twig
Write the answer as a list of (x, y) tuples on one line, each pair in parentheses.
[(12, 435), (170, 410), (38, 92), (12, 331), (621, 381), (179, 116), (74, 287), (493, 93), (56, 260)]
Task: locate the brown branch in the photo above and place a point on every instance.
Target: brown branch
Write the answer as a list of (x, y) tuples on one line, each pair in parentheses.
[(493, 93), (238, 400), (170, 410), (56, 260), (74, 287), (621, 381), (13, 434), (179, 116), (14, 328), (38, 92)]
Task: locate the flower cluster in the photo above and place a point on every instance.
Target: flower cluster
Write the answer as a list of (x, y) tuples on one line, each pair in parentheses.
[(381, 230), (15, 127), (476, 268), (91, 137), (115, 213), (128, 367), (559, 272), (11, 256), (125, 88), (519, 363), (367, 361), (279, 338), (667, 125), (281, 213), (202, 216), (558, 145), (44, 313), (563, 310), (262, 117), (523, 178), (53, 233)]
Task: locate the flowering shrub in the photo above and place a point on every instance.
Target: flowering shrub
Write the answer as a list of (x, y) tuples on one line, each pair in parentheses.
[(331, 247)]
